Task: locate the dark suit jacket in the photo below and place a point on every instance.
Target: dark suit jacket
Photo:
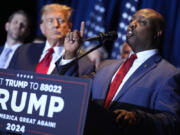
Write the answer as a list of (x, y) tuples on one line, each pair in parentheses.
[(152, 92), (151, 86), (1, 48), (27, 57)]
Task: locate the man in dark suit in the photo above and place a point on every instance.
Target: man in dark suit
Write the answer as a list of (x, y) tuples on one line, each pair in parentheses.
[(147, 99), (17, 28), (55, 24)]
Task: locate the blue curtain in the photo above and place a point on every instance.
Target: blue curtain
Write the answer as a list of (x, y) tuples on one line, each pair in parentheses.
[(170, 9), (171, 13)]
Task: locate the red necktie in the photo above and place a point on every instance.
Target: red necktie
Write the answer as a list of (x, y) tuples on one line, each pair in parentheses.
[(43, 65), (118, 79)]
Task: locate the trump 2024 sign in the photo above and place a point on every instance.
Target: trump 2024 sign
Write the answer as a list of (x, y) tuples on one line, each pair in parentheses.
[(38, 104)]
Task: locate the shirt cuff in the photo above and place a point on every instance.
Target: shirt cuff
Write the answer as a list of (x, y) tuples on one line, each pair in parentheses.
[(64, 62)]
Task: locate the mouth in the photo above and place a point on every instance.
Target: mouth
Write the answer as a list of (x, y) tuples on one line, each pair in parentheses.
[(57, 33), (129, 33)]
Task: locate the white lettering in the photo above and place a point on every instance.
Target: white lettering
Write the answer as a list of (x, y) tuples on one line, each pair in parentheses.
[(22, 104), (8, 117), (1, 81), (46, 123), (27, 120), (34, 85), (56, 105), (41, 103), (16, 83), (4, 99)]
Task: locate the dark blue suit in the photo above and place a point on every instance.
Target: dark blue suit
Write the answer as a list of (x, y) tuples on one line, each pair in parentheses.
[(27, 57), (1, 48), (151, 92)]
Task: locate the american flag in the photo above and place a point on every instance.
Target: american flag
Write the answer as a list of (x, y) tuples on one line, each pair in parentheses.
[(95, 24), (97, 21), (129, 8)]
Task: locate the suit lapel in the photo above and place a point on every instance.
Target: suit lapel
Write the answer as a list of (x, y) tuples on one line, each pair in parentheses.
[(37, 52), (111, 70), (147, 66), (1, 48), (56, 70)]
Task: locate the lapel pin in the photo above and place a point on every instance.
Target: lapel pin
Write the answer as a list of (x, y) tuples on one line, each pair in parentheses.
[(145, 65)]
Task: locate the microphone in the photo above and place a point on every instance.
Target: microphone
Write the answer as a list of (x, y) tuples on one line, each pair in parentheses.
[(101, 37), (112, 35)]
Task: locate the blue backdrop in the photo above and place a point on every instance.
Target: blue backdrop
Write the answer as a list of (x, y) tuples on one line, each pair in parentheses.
[(107, 15)]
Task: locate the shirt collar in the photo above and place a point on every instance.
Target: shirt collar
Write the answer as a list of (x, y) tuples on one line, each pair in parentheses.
[(146, 54), (13, 47), (57, 49)]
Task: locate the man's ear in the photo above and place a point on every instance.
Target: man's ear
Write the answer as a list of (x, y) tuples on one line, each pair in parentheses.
[(159, 33), (6, 26)]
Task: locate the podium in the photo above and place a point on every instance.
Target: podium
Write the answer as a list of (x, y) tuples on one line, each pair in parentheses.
[(40, 104)]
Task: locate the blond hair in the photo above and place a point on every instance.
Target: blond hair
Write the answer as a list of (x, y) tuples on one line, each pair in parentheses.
[(58, 8)]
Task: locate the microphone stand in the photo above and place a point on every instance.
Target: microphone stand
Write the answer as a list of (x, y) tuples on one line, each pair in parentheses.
[(101, 43)]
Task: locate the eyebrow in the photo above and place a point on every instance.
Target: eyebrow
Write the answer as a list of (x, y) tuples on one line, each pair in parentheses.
[(141, 17)]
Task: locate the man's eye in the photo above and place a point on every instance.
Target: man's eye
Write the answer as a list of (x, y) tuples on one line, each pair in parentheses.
[(142, 22), (131, 20), (60, 21), (15, 22), (49, 21)]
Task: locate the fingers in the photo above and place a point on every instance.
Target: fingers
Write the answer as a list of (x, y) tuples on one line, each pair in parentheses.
[(72, 36), (75, 34), (69, 37), (125, 118), (82, 28), (120, 115)]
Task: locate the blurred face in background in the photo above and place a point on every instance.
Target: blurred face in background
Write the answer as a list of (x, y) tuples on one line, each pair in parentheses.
[(125, 51), (17, 27)]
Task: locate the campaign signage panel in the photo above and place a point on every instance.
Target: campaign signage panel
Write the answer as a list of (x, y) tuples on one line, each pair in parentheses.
[(39, 104)]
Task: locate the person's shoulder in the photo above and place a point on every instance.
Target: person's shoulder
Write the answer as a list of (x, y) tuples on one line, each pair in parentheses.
[(108, 62), (85, 66), (1, 48), (165, 70), (162, 64), (167, 65), (32, 45)]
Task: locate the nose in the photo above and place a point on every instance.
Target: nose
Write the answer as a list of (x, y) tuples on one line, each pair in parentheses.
[(20, 25), (133, 24), (56, 23)]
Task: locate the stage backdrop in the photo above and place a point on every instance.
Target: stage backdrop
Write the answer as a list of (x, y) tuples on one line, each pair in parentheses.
[(115, 15)]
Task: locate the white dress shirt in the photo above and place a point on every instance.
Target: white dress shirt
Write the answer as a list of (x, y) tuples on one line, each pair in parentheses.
[(58, 52), (13, 49), (141, 58)]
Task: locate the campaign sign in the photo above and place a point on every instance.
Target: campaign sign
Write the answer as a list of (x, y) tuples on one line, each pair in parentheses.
[(39, 104)]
